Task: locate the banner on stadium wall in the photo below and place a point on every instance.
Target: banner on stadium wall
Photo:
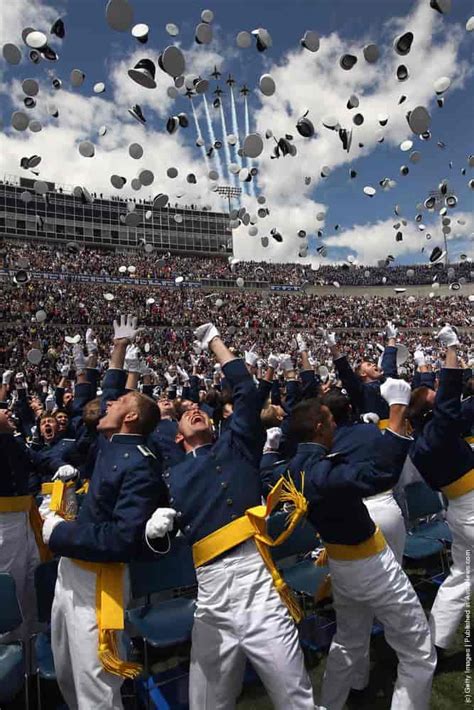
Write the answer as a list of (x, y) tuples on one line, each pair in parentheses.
[(115, 281), (284, 288), (87, 278)]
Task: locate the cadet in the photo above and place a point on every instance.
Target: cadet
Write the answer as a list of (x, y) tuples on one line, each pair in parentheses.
[(125, 488), (366, 578), (18, 549), (363, 385), (239, 612), (446, 462)]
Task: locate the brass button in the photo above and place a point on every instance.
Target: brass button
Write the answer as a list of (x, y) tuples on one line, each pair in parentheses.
[(114, 468), (224, 484), (229, 501), (218, 469), (126, 456)]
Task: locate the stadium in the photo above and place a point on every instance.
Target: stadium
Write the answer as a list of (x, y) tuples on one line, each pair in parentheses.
[(236, 356)]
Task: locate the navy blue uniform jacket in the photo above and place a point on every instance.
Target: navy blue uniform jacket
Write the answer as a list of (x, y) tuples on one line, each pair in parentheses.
[(215, 484)]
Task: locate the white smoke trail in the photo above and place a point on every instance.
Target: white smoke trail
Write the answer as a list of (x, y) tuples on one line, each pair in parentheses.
[(199, 135), (247, 131), (228, 160), (212, 136)]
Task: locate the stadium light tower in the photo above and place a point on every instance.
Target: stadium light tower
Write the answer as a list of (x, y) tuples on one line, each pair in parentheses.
[(228, 192)]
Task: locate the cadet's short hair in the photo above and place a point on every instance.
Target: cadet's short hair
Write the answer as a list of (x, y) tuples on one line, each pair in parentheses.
[(269, 417), (303, 419), (91, 412), (418, 404), (148, 413), (339, 405)]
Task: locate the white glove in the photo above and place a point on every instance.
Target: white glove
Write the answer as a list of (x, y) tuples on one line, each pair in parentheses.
[(370, 418), (64, 370), (91, 342), (50, 402), (390, 330), (448, 336), (329, 338), (78, 357), (171, 379), (205, 333), (395, 391), (301, 343), (260, 363), (419, 358), (273, 361), (251, 358), (182, 373), (194, 360), (144, 369), (127, 328), (132, 358), (65, 473), (286, 362), (160, 523), (217, 368), (273, 439), (20, 381), (312, 360), (49, 524), (6, 377)]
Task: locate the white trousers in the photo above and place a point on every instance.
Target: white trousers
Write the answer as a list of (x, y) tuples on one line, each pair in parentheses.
[(240, 615), (452, 597), (378, 586), (386, 514), (19, 557), (84, 683)]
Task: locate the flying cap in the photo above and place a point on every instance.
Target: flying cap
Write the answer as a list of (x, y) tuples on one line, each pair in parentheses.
[(11, 53), (172, 61), (419, 120), (267, 85), (347, 61), (371, 53), (253, 145), (310, 41), (58, 29), (77, 78), (402, 44), (203, 33), (137, 113), (441, 6), (402, 73), (135, 150), (141, 32), (143, 73), (244, 40), (119, 15)]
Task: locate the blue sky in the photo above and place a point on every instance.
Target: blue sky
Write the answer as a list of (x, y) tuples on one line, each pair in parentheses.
[(343, 25)]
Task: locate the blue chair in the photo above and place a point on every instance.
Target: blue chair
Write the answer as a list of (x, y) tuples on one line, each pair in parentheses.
[(45, 582), (303, 577), (169, 622), (423, 502), (12, 655)]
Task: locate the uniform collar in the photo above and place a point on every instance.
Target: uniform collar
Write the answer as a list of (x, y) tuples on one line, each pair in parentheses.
[(312, 447), (127, 439), (199, 450)]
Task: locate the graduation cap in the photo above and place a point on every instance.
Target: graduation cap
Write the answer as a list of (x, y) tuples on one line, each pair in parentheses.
[(310, 41), (305, 127), (371, 53), (143, 73), (419, 120), (267, 85), (203, 33), (441, 6), (136, 112), (119, 15), (172, 61), (57, 28), (263, 39), (347, 61), (141, 32), (11, 53), (402, 44)]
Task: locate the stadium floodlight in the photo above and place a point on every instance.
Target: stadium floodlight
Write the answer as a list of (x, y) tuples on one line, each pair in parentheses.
[(228, 192)]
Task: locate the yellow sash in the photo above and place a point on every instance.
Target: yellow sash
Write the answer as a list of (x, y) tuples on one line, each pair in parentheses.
[(109, 609), (383, 424), (57, 490), (458, 488), (375, 544), (253, 525)]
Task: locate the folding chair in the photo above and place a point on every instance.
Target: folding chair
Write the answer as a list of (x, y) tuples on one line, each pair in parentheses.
[(12, 655), (45, 582), (423, 502), (165, 623)]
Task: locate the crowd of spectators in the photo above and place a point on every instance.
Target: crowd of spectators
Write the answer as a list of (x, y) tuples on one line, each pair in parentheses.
[(48, 258)]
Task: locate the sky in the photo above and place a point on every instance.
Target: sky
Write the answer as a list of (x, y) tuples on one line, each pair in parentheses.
[(352, 224)]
